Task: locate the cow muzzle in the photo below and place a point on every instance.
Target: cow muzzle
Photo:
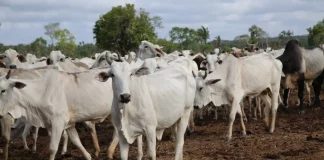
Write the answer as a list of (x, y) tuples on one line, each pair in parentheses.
[(125, 98), (12, 66), (196, 107)]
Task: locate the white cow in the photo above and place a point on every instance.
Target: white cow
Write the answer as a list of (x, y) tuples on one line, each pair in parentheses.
[(149, 50), (12, 59), (142, 106), (45, 105), (31, 58), (236, 78), (101, 60)]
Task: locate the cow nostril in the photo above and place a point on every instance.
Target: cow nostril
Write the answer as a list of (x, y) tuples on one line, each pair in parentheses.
[(210, 72), (12, 66), (196, 107), (125, 97)]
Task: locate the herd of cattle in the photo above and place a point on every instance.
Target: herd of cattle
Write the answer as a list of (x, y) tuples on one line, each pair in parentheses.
[(147, 92)]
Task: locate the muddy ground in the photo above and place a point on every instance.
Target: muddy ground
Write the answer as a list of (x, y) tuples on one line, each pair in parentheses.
[(295, 137)]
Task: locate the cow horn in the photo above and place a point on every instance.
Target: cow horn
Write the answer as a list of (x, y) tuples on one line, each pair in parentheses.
[(119, 57), (108, 59), (205, 76), (129, 59), (8, 74)]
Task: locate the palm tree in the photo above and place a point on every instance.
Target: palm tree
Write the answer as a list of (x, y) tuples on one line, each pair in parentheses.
[(203, 34)]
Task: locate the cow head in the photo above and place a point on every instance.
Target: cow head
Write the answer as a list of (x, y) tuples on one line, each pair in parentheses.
[(54, 57), (148, 50), (203, 92), (121, 74), (11, 58), (7, 100), (102, 59)]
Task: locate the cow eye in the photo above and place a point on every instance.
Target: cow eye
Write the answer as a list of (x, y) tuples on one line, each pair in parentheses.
[(200, 88), (112, 75), (2, 91), (131, 74), (145, 46)]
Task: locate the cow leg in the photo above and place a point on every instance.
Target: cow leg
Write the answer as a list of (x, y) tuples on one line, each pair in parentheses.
[(65, 142), (173, 132), (124, 146), (274, 107), (181, 128), (91, 126), (191, 125), (74, 137), (225, 107), (6, 122), (201, 112), (140, 147), (317, 86), (301, 86), (25, 134), (151, 141), (308, 93), (242, 122), (113, 145), (56, 132), (234, 109), (35, 136), (266, 99), (215, 113), (242, 110), (258, 105), (285, 97)]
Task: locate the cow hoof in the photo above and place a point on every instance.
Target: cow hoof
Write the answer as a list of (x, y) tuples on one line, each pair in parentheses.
[(229, 139), (243, 133), (173, 139), (254, 119), (215, 118)]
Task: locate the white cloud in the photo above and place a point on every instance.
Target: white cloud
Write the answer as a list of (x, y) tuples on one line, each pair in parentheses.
[(23, 21)]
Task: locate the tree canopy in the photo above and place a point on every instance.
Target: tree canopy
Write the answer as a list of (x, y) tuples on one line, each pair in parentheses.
[(316, 34), (123, 28)]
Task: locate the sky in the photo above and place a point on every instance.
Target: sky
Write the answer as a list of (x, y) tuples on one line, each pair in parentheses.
[(23, 21)]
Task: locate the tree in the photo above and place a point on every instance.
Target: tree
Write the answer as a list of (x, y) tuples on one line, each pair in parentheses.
[(316, 34), (255, 33), (185, 36), (285, 36), (38, 46), (51, 28), (123, 28), (203, 34), (65, 42), (218, 41)]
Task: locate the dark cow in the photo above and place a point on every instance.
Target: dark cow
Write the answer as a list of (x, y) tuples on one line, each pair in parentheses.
[(307, 64)]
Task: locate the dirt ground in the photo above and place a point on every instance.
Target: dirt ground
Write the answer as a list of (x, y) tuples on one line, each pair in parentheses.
[(295, 137)]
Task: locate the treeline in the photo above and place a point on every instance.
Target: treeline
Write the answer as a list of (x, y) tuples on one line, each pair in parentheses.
[(123, 28)]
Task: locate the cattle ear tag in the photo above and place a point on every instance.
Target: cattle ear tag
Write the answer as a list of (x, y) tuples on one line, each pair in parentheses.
[(213, 81)]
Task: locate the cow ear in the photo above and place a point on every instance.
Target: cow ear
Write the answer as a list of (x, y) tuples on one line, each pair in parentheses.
[(49, 61), (203, 65), (19, 85), (212, 81), (103, 76), (142, 71), (158, 50), (21, 58)]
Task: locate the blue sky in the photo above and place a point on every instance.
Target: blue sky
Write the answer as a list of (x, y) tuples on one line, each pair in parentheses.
[(23, 20)]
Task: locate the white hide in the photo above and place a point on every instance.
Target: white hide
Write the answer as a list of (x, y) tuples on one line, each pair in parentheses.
[(158, 106), (41, 102), (236, 78)]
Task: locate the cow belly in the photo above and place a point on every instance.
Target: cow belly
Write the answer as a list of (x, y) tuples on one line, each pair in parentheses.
[(88, 113)]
